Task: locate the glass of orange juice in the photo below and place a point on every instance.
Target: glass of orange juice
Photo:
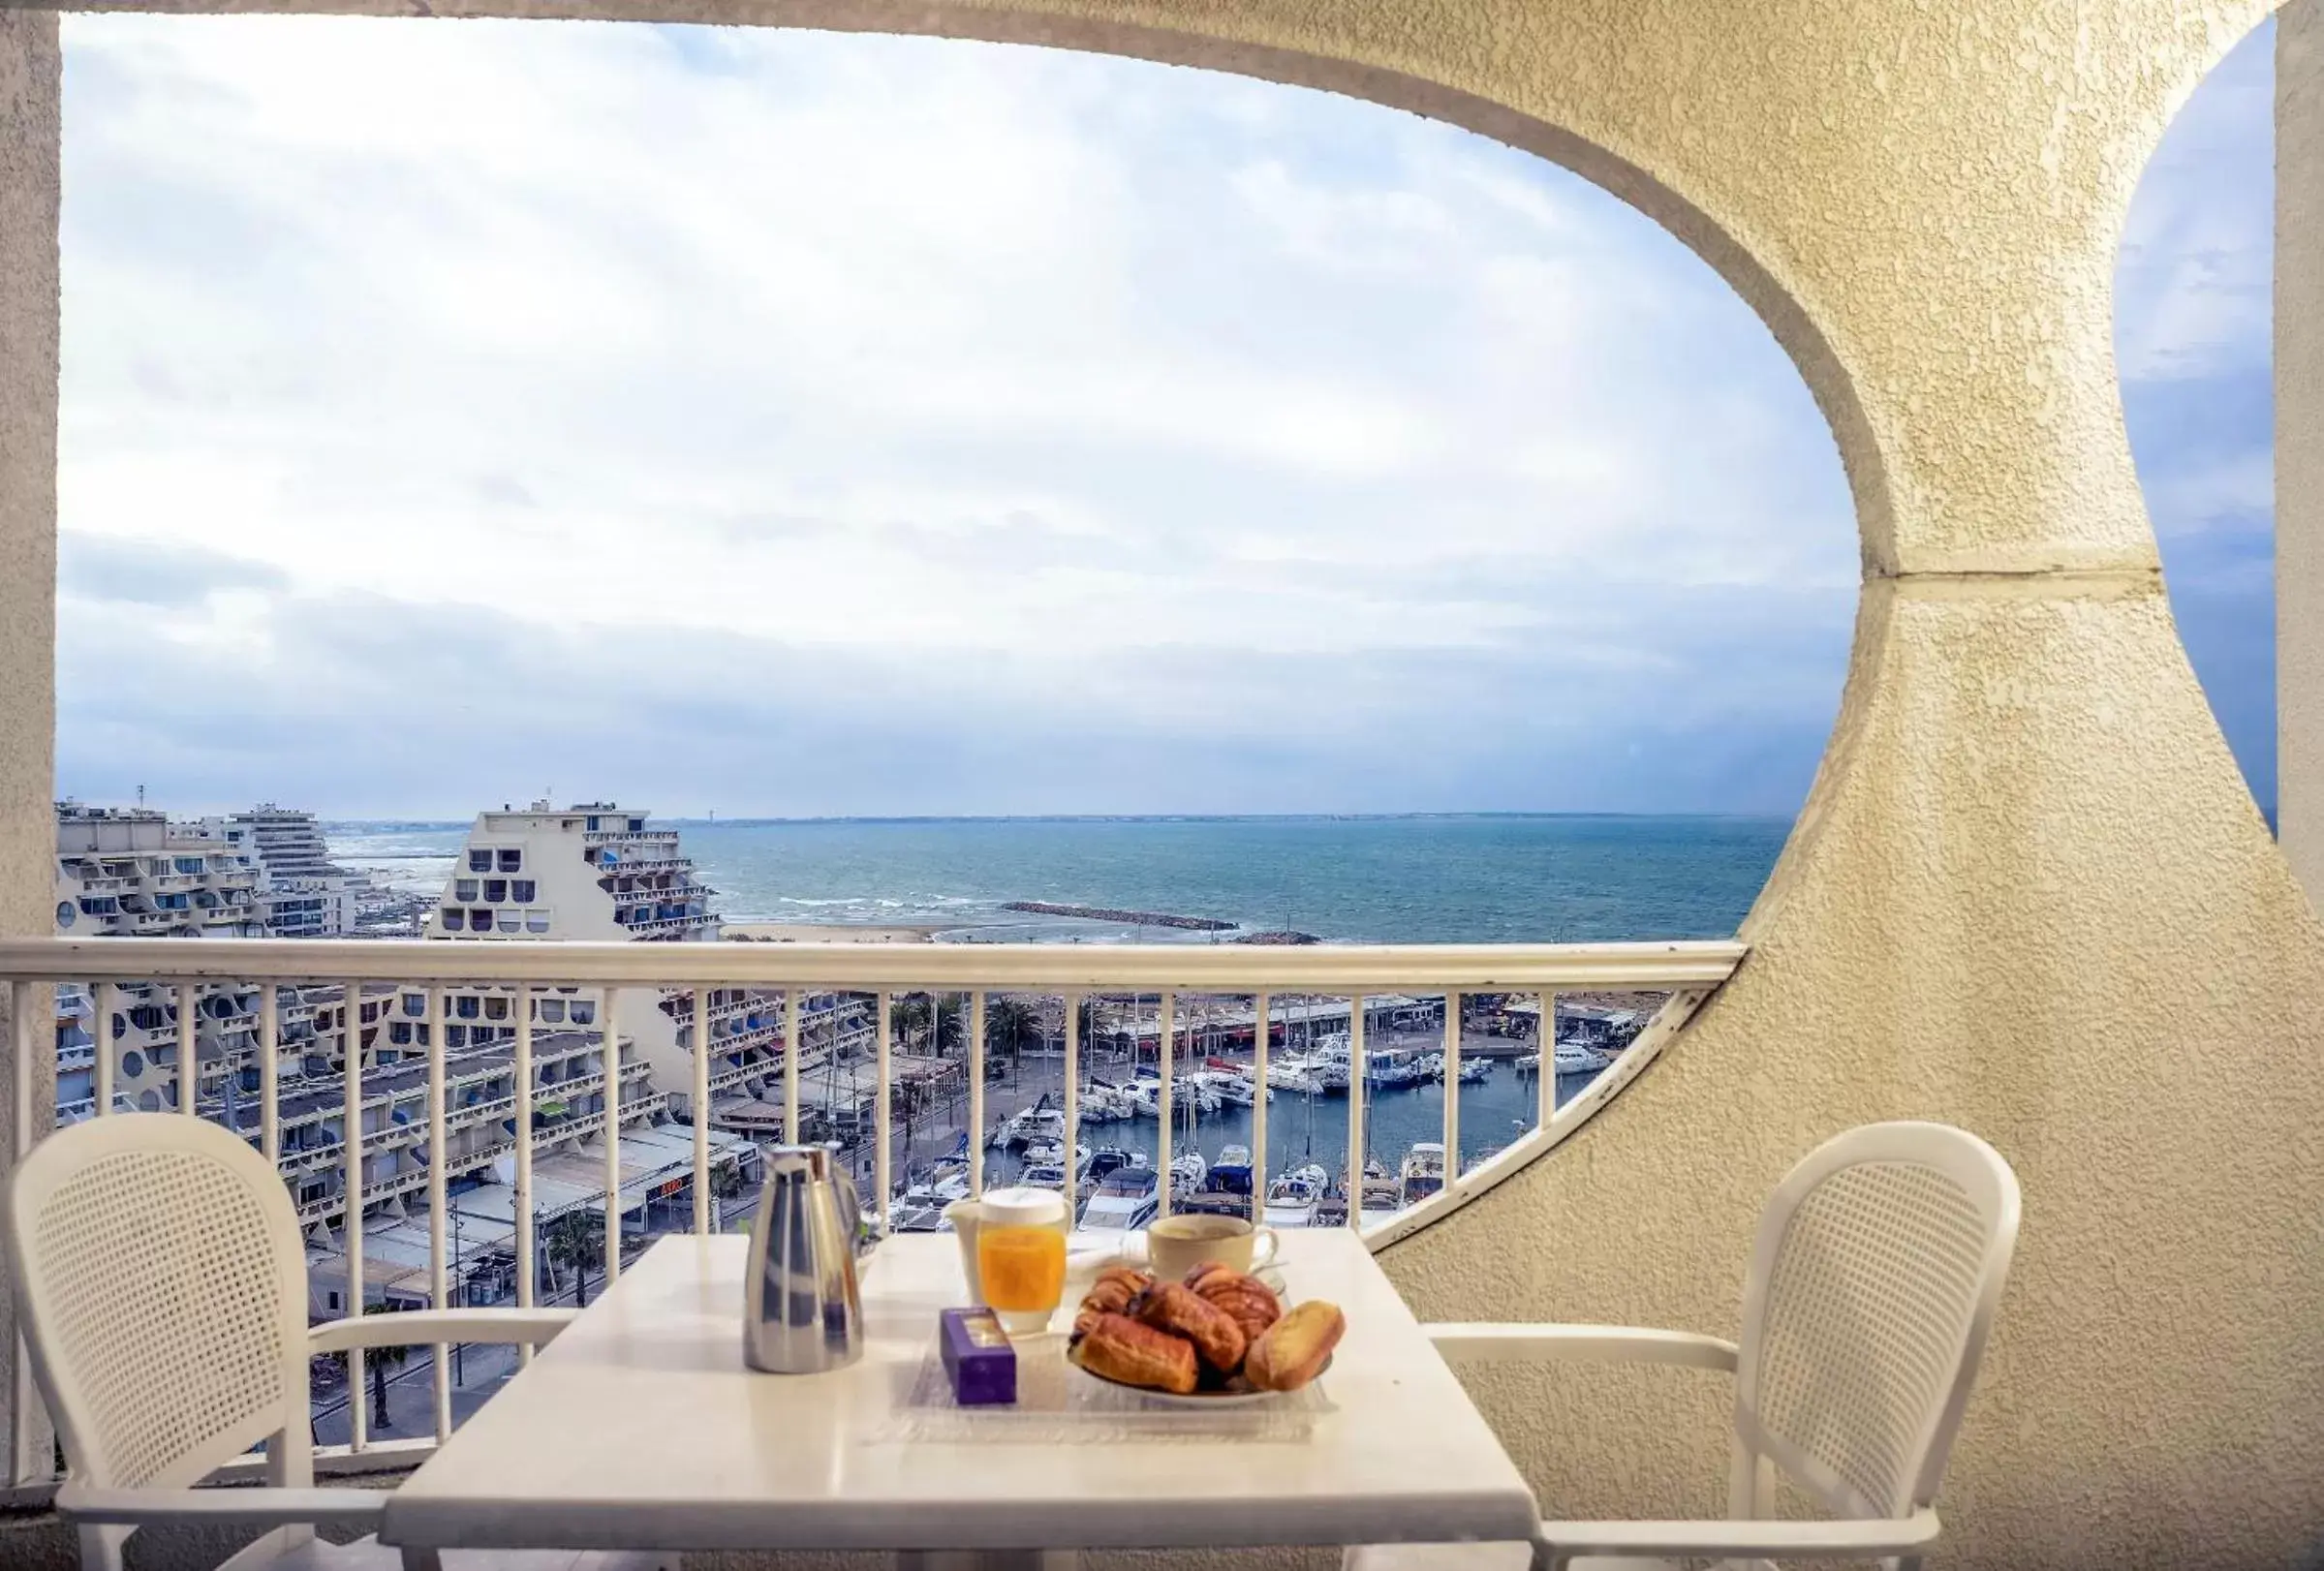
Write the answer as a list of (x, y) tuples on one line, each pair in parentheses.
[(1021, 1256)]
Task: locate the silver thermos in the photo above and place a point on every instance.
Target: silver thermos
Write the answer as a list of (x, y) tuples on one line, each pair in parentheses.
[(803, 1310)]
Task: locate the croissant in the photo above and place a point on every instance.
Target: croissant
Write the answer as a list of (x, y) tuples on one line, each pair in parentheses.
[(1120, 1349), (1293, 1350), (1253, 1304), (1216, 1334)]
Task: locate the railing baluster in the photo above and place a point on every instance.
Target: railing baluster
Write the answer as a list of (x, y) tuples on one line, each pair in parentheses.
[(108, 1002), (438, 1296), (27, 1458), (608, 1010), (189, 1072), (1073, 1109), (791, 1049), (1259, 1033), (1547, 1088), (350, 1148), (883, 1122), (1452, 1088), (270, 1039), (1164, 1099), (701, 1110), (528, 1267), (936, 1015), (975, 1025), (1357, 1063)]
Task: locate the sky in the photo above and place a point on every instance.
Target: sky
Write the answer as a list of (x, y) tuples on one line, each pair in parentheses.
[(791, 423)]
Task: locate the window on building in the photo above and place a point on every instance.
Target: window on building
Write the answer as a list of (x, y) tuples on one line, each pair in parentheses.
[(637, 827), (496, 890), (463, 889), (455, 919), (479, 861), (521, 891), (593, 825), (496, 1009), (512, 921), (511, 860), (583, 1011), (456, 1036), (400, 1032), (415, 1005), (551, 1010), (479, 921), (467, 1006), (536, 921)]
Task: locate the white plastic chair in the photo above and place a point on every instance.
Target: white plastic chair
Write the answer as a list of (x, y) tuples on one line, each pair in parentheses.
[(161, 1286), (1873, 1282)]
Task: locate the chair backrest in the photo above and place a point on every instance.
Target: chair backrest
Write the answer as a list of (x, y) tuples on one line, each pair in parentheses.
[(1873, 1282), (161, 1284)]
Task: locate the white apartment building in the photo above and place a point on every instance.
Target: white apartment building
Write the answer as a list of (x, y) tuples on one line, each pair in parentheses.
[(302, 893), (597, 870)]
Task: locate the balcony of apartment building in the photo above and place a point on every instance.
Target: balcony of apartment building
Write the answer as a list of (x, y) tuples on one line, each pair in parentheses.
[(2027, 854)]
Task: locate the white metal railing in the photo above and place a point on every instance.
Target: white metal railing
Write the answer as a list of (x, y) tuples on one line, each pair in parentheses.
[(1281, 986)]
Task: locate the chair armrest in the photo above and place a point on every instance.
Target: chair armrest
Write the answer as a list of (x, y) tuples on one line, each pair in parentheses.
[(257, 1507), (1477, 1342), (1856, 1540), (413, 1327)]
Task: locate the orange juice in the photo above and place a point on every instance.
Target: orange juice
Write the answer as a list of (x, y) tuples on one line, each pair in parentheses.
[(1020, 1251), (1023, 1268)]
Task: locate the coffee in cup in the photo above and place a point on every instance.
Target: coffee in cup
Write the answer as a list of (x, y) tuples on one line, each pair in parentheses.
[(1175, 1245)]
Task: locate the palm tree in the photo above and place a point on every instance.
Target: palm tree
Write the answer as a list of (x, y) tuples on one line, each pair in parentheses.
[(1009, 1024), (577, 1241), (379, 1360), (910, 1015)]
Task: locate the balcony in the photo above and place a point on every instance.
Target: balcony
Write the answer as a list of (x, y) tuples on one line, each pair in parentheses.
[(863, 980)]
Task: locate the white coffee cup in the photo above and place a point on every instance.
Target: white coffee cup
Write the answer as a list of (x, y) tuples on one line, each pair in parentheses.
[(1175, 1245)]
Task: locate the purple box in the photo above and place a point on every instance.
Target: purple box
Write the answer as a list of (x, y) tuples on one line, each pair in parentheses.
[(982, 1366)]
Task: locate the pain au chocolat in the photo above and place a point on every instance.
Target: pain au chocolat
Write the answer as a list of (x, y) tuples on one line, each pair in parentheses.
[(1111, 1294), (1215, 1334), (1250, 1300), (1120, 1349)]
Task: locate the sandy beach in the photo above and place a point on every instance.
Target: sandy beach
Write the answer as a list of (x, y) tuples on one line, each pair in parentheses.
[(833, 932)]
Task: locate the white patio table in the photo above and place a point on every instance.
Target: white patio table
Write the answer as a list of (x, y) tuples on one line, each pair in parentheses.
[(641, 1428)]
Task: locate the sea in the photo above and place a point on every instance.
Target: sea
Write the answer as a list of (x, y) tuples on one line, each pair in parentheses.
[(1453, 879), (1435, 879)]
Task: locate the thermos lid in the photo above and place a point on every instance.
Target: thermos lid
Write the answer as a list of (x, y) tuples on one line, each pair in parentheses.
[(1022, 1208)]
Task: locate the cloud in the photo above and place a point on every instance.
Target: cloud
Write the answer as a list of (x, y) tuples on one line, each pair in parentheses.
[(153, 573), (842, 423)]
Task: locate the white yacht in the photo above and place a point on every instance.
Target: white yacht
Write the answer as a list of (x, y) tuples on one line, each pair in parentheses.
[(1423, 1171), (1291, 1198), (1572, 1058), (1039, 1124), (1052, 1153), (1126, 1198), (1188, 1170)]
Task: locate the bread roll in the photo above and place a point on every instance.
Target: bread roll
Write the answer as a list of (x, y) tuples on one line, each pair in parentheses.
[(1120, 1349), (1170, 1306), (1291, 1352)]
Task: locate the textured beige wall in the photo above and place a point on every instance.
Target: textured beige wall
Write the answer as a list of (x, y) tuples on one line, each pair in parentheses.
[(2300, 439), (29, 84), (2030, 893)]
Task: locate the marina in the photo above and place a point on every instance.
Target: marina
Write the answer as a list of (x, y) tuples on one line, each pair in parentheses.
[(1116, 1158)]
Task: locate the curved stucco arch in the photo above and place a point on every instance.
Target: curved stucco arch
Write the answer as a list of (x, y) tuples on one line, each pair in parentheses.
[(2027, 858)]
